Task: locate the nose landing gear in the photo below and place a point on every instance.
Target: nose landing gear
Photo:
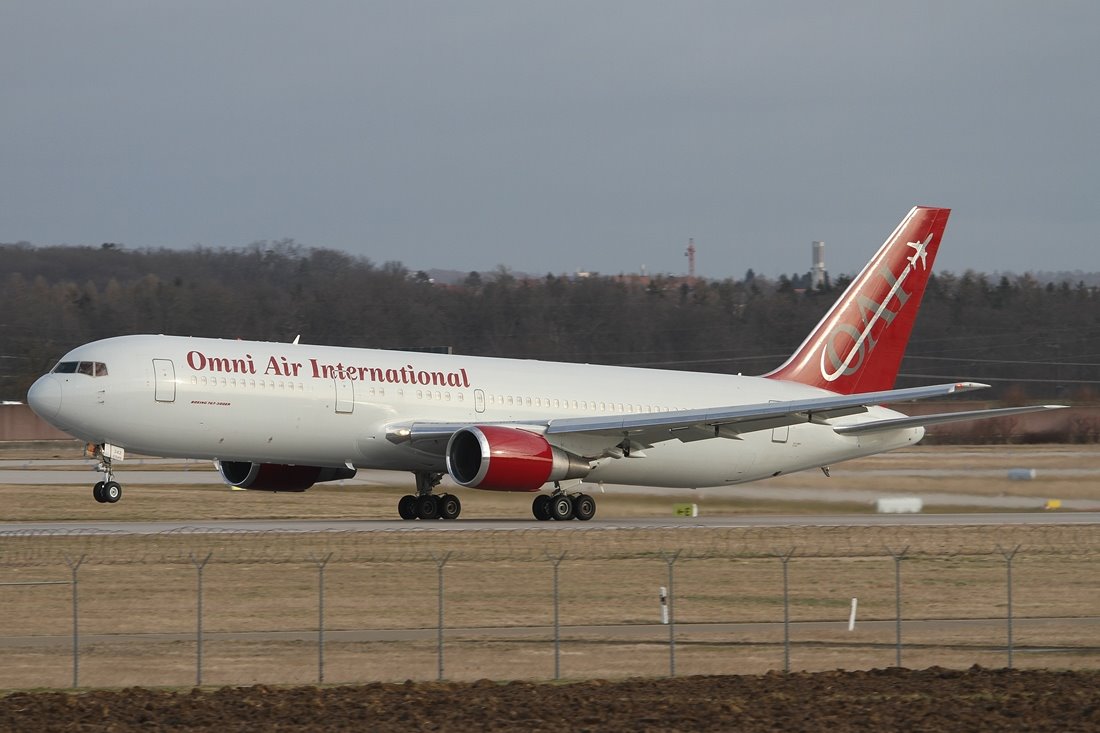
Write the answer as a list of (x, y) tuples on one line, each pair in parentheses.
[(107, 491)]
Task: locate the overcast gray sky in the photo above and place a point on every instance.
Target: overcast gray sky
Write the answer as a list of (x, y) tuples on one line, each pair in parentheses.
[(552, 136)]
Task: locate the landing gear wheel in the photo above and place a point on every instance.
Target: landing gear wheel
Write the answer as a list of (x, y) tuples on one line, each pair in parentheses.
[(449, 506), (561, 508), (584, 507), (427, 506), (407, 507), (540, 507), (97, 492), (111, 492)]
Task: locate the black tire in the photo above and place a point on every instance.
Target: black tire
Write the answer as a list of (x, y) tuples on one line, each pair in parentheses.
[(540, 507), (97, 493), (584, 507), (449, 506), (111, 492), (561, 508), (427, 506), (406, 507)]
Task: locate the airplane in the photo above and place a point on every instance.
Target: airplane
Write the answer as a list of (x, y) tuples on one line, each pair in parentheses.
[(285, 416)]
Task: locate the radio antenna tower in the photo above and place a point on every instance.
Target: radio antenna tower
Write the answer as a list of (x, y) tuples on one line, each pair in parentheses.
[(690, 254)]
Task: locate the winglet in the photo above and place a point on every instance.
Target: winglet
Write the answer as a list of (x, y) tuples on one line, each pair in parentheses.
[(859, 344)]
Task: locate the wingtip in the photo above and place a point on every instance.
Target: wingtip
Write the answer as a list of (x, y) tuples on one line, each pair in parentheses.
[(969, 386)]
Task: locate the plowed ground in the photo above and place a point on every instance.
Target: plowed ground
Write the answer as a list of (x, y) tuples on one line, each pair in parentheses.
[(879, 700)]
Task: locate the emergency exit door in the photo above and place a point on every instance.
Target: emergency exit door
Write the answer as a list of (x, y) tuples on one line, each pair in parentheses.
[(345, 395)]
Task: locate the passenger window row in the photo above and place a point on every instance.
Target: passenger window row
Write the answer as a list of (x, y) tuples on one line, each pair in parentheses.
[(243, 383)]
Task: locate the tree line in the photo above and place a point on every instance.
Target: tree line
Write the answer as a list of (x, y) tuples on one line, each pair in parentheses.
[(1030, 340)]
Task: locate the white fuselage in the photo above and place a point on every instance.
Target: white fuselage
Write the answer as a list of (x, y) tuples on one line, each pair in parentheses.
[(329, 406)]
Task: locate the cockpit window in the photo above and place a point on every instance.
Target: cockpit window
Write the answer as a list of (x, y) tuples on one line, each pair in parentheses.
[(91, 368)]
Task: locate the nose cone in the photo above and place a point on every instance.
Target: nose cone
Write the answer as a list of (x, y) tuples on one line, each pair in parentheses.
[(44, 397)]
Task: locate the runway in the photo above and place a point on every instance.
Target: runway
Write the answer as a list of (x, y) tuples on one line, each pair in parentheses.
[(996, 507), (464, 525)]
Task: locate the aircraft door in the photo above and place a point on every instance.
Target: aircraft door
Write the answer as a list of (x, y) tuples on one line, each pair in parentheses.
[(165, 372), (479, 400), (345, 396)]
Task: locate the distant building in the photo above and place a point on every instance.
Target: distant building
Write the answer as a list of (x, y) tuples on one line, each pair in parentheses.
[(818, 274)]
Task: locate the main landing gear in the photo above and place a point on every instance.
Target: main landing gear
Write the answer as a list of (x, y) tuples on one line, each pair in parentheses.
[(426, 505), (563, 507), (107, 491)]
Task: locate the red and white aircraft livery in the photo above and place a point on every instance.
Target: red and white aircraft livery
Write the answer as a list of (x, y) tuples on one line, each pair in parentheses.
[(282, 417)]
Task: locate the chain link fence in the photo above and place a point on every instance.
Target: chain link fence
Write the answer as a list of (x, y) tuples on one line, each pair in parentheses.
[(233, 607)]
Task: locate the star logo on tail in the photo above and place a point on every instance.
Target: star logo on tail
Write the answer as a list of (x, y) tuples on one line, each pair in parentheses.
[(920, 253)]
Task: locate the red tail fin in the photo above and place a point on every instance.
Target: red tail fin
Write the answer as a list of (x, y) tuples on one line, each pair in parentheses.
[(858, 346)]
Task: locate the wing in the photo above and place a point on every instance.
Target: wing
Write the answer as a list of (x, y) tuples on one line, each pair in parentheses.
[(624, 434)]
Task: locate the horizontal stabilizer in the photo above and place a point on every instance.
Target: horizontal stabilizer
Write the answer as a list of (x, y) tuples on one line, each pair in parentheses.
[(942, 417)]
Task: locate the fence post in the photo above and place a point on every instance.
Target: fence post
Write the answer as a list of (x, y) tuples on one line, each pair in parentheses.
[(556, 562), (74, 566), (785, 558), (1008, 555), (321, 563), (440, 561), (671, 560), (898, 557), (199, 566)]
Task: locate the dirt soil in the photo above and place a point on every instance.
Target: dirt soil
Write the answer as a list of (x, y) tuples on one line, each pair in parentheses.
[(878, 700)]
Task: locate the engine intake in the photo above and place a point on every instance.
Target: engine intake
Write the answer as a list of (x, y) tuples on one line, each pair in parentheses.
[(278, 477), (508, 459)]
